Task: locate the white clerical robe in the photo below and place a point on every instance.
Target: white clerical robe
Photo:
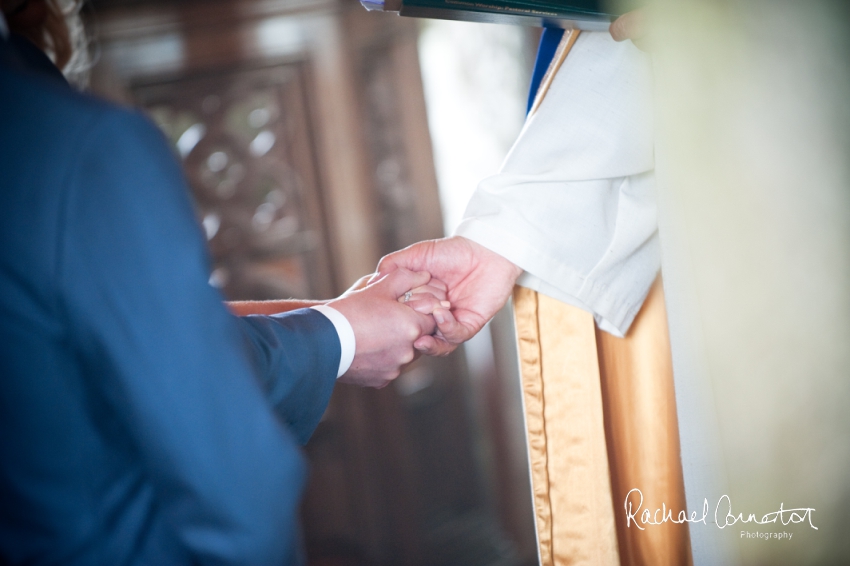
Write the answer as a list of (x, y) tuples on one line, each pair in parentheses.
[(574, 204)]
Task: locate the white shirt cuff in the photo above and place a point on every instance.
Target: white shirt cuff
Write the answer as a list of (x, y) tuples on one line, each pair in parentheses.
[(347, 344)]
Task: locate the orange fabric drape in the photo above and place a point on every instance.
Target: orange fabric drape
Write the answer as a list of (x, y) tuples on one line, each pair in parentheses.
[(601, 420), (566, 435), (642, 432)]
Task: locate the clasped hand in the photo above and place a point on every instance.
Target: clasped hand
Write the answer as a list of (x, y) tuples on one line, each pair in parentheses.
[(478, 283), (456, 286), (425, 299), (385, 327), (452, 288)]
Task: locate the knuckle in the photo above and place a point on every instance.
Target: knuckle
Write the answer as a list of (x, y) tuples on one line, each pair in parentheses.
[(411, 333), (407, 357)]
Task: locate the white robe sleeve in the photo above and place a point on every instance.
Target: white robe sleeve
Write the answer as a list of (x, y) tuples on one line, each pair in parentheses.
[(574, 203)]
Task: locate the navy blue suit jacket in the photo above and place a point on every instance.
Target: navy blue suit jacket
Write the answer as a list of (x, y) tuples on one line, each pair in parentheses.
[(139, 421)]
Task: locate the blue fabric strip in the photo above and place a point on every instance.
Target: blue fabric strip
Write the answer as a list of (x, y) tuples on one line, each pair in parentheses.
[(545, 53)]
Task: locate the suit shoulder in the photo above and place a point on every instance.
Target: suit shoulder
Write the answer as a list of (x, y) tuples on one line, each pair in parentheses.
[(38, 110)]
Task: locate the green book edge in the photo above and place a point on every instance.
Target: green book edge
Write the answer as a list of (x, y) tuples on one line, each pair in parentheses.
[(578, 14)]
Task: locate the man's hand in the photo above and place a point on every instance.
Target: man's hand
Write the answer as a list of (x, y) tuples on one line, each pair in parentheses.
[(384, 328), (631, 25), (479, 283)]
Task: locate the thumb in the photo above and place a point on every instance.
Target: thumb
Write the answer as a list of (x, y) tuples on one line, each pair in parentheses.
[(403, 280), (452, 330), (630, 25), (434, 346)]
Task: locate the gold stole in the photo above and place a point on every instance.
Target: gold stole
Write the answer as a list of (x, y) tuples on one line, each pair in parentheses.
[(601, 420)]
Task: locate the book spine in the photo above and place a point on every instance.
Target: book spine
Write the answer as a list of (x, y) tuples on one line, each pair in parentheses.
[(502, 13), (533, 8)]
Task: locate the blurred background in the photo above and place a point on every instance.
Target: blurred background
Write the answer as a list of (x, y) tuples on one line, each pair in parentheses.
[(317, 137), (753, 164)]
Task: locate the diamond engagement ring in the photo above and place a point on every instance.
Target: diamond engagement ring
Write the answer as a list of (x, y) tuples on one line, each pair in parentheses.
[(407, 296)]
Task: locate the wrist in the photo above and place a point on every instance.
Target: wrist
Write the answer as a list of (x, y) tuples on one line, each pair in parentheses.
[(499, 262)]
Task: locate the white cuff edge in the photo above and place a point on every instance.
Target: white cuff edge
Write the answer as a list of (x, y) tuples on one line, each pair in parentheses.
[(347, 344)]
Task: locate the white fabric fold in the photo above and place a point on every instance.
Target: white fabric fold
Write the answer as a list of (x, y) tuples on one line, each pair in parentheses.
[(573, 204)]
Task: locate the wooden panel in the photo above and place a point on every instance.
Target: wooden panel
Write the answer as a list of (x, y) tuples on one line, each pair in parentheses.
[(245, 143), (349, 200)]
